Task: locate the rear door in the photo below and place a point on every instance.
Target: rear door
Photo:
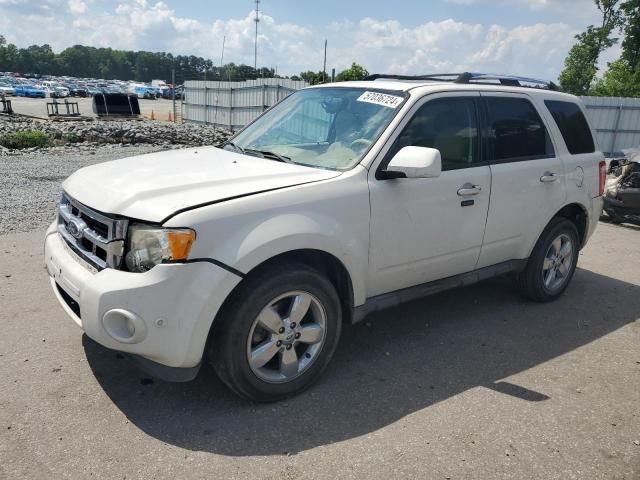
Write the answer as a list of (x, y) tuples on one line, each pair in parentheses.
[(527, 177)]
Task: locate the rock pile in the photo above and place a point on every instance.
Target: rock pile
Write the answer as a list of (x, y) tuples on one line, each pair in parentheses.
[(95, 133)]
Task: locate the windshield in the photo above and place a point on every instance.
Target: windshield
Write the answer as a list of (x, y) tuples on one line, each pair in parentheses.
[(329, 127)]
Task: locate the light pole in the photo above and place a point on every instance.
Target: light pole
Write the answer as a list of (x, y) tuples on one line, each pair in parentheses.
[(257, 20)]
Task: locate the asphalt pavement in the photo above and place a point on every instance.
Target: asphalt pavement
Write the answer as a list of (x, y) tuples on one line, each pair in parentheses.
[(472, 383)]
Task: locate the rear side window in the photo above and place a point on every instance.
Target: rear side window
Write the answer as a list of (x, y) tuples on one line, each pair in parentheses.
[(516, 132), (573, 126)]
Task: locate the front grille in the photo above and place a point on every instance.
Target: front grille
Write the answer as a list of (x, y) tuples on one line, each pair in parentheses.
[(96, 237)]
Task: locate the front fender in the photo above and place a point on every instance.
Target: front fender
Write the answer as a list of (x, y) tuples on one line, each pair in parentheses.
[(290, 232), (330, 216)]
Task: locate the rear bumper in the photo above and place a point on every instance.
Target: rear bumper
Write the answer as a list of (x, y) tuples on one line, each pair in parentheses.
[(594, 216), (162, 316)]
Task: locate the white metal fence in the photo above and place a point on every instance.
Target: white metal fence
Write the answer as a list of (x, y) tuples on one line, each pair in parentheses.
[(232, 105), (616, 121)]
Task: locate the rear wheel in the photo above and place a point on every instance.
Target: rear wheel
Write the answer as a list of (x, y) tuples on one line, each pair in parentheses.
[(552, 262), (277, 333)]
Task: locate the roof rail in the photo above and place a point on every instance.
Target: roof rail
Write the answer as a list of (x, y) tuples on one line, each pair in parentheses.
[(476, 78)]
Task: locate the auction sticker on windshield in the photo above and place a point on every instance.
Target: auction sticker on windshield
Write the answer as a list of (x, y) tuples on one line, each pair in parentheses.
[(383, 99)]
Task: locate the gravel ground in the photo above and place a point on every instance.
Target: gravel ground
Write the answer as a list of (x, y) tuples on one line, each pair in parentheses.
[(124, 132), (30, 183), (473, 383)]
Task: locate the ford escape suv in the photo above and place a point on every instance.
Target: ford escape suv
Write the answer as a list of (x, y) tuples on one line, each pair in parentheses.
[(340, 200)]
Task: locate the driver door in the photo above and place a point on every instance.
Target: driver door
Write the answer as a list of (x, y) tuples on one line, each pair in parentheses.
[(425, 229)]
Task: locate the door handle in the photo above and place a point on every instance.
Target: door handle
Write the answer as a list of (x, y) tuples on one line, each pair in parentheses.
[(469, 189), (548, 177)]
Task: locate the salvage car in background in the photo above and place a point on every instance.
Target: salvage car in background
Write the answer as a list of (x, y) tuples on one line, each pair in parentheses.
[(622, 196)]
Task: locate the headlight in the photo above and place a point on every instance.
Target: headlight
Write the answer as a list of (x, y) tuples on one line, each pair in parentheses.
[(148, 246)]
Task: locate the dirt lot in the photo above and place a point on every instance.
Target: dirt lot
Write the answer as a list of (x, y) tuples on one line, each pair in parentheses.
[(37, 107), (474, 383)]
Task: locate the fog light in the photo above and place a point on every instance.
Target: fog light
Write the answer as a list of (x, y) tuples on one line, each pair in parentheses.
[(124, 326)]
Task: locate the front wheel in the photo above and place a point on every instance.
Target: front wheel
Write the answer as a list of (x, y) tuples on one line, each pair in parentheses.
[(552, 262), (277, 333)]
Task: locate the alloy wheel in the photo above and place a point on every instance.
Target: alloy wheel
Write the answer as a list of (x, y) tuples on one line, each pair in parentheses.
[(286, 337)]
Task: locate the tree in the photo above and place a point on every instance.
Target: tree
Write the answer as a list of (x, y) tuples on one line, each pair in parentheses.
[(9, 56), (581, 63), (355, 72), (631, 43), (312, 78), (620, 80)]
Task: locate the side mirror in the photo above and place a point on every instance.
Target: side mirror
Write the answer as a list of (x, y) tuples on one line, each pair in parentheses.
[(415, 162)]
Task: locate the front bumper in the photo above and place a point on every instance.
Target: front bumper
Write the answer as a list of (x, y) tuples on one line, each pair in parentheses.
[(163, 315)]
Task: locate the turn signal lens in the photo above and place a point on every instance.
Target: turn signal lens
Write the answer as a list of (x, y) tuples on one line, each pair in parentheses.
[(602, 168), (180, 242)]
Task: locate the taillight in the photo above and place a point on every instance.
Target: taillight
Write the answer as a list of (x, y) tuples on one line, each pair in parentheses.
[(602, 177)]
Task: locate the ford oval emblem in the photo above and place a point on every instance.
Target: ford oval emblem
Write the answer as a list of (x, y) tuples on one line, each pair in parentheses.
[(76, 227)]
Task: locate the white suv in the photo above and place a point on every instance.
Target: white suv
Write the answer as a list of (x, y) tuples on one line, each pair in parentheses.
[(340, 200)]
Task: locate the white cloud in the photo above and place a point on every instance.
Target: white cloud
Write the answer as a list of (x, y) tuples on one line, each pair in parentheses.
[(585, 10), (77, 7), (379, 45)]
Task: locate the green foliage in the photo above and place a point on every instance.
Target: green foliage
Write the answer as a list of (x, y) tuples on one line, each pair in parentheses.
[(355, 72), (313, 78), (622, 78), (619, 81), (90, 62), (631, 43), (581, 63), (28, 139)]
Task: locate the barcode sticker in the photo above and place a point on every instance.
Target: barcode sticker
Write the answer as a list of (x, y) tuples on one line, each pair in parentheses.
[(383, 99)]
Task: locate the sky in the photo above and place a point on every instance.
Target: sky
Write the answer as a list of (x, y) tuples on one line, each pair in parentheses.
[(520, 37)]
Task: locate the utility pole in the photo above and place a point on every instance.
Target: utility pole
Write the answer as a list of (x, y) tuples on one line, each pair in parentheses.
[(257, 20), (224, 39), (324, 65)]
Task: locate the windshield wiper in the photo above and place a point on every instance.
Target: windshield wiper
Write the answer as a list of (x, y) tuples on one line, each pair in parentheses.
[(234, 146), (269, 155)]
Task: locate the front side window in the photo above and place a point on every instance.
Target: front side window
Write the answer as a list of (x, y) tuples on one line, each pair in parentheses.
[(516, 131), (331, 127), (572, 125), (449, 125)]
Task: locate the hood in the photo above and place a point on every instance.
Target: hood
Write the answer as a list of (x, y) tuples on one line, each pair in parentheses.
[(152, 187)]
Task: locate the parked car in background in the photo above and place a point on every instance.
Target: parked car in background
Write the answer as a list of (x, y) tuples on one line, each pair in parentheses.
[(168, 93), (58, 92), (30, 91), (91, 91), (77, 91), (7, 89), (143, 91)]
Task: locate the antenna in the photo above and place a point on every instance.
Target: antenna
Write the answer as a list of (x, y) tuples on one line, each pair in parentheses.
[(257, 20)]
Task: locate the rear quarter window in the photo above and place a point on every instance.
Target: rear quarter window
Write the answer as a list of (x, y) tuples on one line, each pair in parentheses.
[(573, 126)]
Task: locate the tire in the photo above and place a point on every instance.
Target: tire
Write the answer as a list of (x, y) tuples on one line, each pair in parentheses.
[(548, 273), (238, 333)]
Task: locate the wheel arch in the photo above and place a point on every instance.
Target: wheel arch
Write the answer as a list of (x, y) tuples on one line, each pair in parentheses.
[(577, 214), (326, 263)]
